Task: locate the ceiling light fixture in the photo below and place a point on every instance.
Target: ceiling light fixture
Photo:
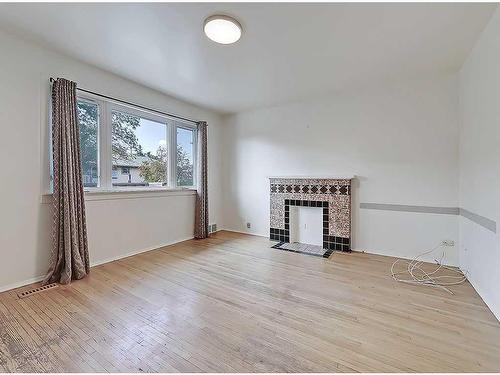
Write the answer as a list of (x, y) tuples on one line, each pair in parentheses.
[(222, 29)]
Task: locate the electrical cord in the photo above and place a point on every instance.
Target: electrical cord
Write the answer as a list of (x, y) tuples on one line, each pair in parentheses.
[(418, 276)]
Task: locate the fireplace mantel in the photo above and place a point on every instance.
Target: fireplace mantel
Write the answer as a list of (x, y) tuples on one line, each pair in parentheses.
[(331, 193), (339, 177)]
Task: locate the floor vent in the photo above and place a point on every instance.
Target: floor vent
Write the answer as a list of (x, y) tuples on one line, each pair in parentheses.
[(30, 292)]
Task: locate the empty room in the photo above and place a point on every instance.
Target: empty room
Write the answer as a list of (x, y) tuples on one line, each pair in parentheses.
[(249, 187)]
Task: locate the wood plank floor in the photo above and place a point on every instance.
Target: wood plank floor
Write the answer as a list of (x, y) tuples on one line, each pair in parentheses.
[(232, 304)]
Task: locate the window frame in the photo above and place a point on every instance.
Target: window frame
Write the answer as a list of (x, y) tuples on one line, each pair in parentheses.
[(195, 154), (99, 144), (104, 133), (186, 125)]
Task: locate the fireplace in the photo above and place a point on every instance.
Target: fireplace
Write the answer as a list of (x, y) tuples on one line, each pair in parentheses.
[(333, 195), (306, 225)]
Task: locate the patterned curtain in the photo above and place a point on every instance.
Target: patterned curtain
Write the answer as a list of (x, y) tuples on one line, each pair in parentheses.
[(201, 213), (70, 256)]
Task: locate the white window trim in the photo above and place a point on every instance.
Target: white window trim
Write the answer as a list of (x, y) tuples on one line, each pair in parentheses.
[(98, 194), (195, 153), (100, 145), (105, 149)]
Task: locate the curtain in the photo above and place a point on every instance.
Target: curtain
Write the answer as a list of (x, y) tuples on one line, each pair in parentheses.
[(201, 209), (69, 255)]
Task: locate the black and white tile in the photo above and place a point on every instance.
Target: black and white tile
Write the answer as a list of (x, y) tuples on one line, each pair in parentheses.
[(333, 195), (301, 248)]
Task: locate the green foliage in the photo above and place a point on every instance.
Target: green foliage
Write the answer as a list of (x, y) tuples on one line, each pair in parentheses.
[(184, 168), (124, 143), (126, 146), (155, 170), (87, 118)]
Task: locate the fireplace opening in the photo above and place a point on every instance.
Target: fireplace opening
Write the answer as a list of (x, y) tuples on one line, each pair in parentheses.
[(306, 225)]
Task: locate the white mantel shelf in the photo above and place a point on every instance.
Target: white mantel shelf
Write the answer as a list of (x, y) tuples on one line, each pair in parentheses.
[(342, 177)]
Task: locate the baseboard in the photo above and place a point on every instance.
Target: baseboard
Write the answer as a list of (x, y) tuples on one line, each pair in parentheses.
[(491, 307), (425, 258), (244, 232), (19, 284), (37, 279), (135, 252)]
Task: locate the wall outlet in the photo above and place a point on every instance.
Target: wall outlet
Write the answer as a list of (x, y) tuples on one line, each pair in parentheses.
[(249, 225), (447, 243)]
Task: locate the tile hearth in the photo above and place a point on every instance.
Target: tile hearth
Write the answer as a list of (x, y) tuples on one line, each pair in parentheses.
[(302, 248)]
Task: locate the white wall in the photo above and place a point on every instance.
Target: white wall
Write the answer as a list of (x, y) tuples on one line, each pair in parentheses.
[(400, 138), (480, 163), (115, 227)]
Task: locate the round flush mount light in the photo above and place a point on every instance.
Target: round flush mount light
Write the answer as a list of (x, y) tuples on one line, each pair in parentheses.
[(222, 29)]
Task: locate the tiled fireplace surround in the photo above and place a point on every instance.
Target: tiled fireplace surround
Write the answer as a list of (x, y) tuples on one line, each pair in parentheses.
[(332, 194)]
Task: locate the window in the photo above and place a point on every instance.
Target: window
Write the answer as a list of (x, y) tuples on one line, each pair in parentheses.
[(185, 157), (88, 118), (126, 147), (139, 147)]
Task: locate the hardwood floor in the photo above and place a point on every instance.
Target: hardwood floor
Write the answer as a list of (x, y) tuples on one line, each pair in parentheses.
[(232, 304)]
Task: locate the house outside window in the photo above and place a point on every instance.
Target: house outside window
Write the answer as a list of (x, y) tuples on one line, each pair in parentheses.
[(127, 147)]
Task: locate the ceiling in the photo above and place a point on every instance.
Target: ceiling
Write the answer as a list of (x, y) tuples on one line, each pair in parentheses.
[(288, 51)]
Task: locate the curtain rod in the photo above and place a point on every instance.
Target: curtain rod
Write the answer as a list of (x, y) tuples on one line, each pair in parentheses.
[(132, 104)]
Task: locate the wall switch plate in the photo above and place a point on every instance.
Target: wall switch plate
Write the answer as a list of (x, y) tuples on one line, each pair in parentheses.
[(447, 243), (249, 225)]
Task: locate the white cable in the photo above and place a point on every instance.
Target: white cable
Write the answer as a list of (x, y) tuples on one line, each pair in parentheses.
[(418, 276)]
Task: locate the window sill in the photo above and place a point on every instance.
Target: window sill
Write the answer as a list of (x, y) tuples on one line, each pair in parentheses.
[(98, 194)]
